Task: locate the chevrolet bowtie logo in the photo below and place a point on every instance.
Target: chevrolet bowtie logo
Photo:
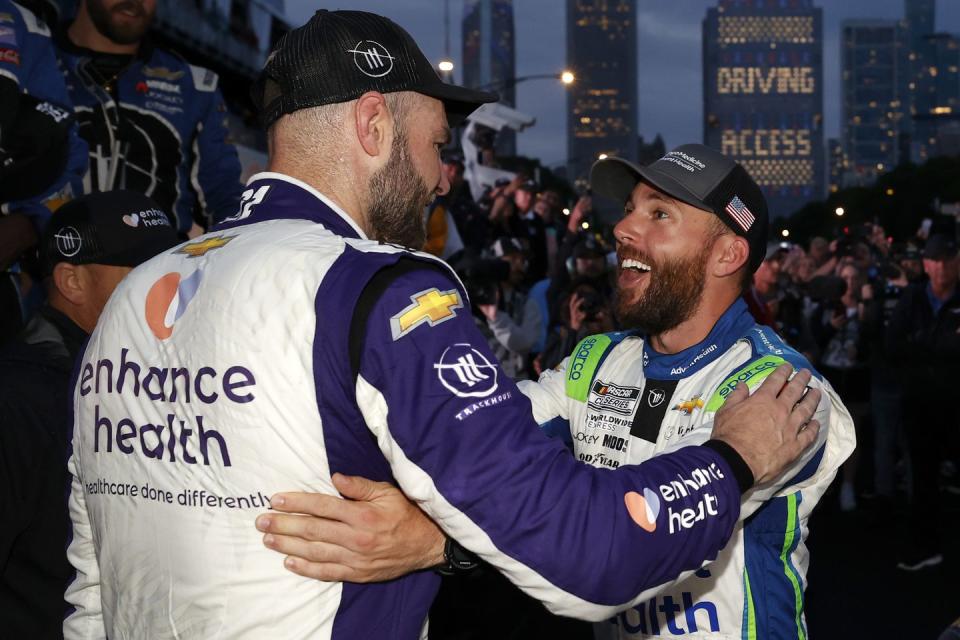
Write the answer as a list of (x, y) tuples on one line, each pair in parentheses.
[(431, 305), (197, 249), (689, 406)]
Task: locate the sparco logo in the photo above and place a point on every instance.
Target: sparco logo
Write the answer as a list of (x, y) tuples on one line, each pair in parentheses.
[(580, 358), (655, 397)]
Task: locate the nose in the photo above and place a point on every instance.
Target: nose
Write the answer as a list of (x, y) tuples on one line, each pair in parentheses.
[(443, 187)]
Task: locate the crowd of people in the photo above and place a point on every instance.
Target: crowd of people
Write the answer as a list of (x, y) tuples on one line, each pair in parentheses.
[(144, 162)]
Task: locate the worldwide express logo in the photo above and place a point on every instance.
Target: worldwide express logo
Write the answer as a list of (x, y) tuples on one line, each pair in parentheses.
[(645, 508), (167, 301)]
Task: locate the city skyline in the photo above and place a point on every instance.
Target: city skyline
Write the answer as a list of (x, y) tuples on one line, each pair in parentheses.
[(669, 59)]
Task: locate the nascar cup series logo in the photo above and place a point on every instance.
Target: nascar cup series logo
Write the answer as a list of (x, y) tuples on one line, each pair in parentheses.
[(466, 372), (167, 300)]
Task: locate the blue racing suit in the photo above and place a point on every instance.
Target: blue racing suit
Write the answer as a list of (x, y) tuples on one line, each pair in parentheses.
[(161, 132), (619, 401), (28, 61), (285, 346)]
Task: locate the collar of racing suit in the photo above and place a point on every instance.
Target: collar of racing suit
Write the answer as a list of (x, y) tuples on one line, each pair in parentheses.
[(276, 196), (735, 322)]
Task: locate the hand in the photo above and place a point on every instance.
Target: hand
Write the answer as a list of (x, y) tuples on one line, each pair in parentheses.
[(771, 428), (489, 311), (837, 320), (576, 315), (583, 207), (375, 535)]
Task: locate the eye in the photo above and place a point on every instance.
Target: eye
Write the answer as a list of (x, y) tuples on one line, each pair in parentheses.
[(660, 214)]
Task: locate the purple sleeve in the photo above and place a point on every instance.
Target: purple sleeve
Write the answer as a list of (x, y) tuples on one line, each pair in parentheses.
[(461, 441)]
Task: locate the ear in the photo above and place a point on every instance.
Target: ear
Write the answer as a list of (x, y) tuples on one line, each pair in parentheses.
[(374, 123), (731, 253), (70, 282)]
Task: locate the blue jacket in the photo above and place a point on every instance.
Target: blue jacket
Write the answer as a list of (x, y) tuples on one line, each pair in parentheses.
[(28, 59), (162, 133)]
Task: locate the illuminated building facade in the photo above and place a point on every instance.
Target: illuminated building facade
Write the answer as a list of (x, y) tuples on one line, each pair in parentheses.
[(489, 56), (873, 112), (602, 103), (763, 95), (936, 117)]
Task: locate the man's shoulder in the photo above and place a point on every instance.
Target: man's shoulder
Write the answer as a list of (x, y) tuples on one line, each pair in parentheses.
[(767, 351)]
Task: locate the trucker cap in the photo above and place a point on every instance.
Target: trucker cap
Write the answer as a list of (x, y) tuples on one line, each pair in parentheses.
[(338, 56), (701, 177), (119, 228)]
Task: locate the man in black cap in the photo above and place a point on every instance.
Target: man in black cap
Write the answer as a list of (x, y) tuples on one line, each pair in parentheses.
[(693, 231), (923, 340), (88, 247), (305, 338)]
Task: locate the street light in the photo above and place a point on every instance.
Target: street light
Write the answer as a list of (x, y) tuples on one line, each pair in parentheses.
[(567, 77), (446, 66), (839, 211)]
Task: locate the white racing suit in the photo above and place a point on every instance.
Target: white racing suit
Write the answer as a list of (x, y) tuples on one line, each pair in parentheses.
[(620, 402)]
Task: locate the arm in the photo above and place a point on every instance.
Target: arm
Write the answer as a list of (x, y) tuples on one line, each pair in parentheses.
[(86, 620), (480, 468), (517, 338), (216, 172)]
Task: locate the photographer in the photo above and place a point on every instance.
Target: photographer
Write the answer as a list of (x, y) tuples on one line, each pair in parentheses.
[(502, 311), (585, 313)]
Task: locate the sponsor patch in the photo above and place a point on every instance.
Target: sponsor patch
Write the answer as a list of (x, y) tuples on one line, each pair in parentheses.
[(689, 406), (430, 306), (610, 397), (752, 375), (10, 55), (202, 247), (465, 372), (8, 36), (162, 73)]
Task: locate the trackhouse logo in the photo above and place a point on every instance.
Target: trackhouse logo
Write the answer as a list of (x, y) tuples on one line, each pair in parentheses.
[(655, 397), (466, 372), (372, 58), (68, 242)]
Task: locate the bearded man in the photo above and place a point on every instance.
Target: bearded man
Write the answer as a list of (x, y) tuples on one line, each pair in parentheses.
[(153, 123), (693, 232), (301, 339)]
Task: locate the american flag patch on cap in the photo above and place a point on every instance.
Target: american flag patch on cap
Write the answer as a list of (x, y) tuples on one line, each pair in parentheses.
[(740, 213)]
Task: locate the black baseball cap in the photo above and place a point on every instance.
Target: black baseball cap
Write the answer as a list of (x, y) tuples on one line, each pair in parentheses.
[(940, 247), (701, 177), (338, 56), (119, 228)]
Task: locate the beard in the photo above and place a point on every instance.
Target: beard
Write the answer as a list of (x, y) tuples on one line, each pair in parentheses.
[(398, 196), (672, 295), (120, 31)]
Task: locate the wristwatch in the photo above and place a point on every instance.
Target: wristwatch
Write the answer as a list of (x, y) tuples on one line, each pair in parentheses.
[(456, 559)]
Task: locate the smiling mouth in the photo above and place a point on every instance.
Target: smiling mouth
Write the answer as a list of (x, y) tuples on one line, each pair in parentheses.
[(634, 265)]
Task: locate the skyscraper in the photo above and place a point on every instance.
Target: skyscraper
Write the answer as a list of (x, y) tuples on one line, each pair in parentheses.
[(489, 56), (602, 103), (936, 103), (873, 113), (763, 95)]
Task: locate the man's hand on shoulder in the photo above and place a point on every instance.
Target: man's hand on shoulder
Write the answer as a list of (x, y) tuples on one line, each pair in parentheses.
[(772, 428), (376, 534)]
